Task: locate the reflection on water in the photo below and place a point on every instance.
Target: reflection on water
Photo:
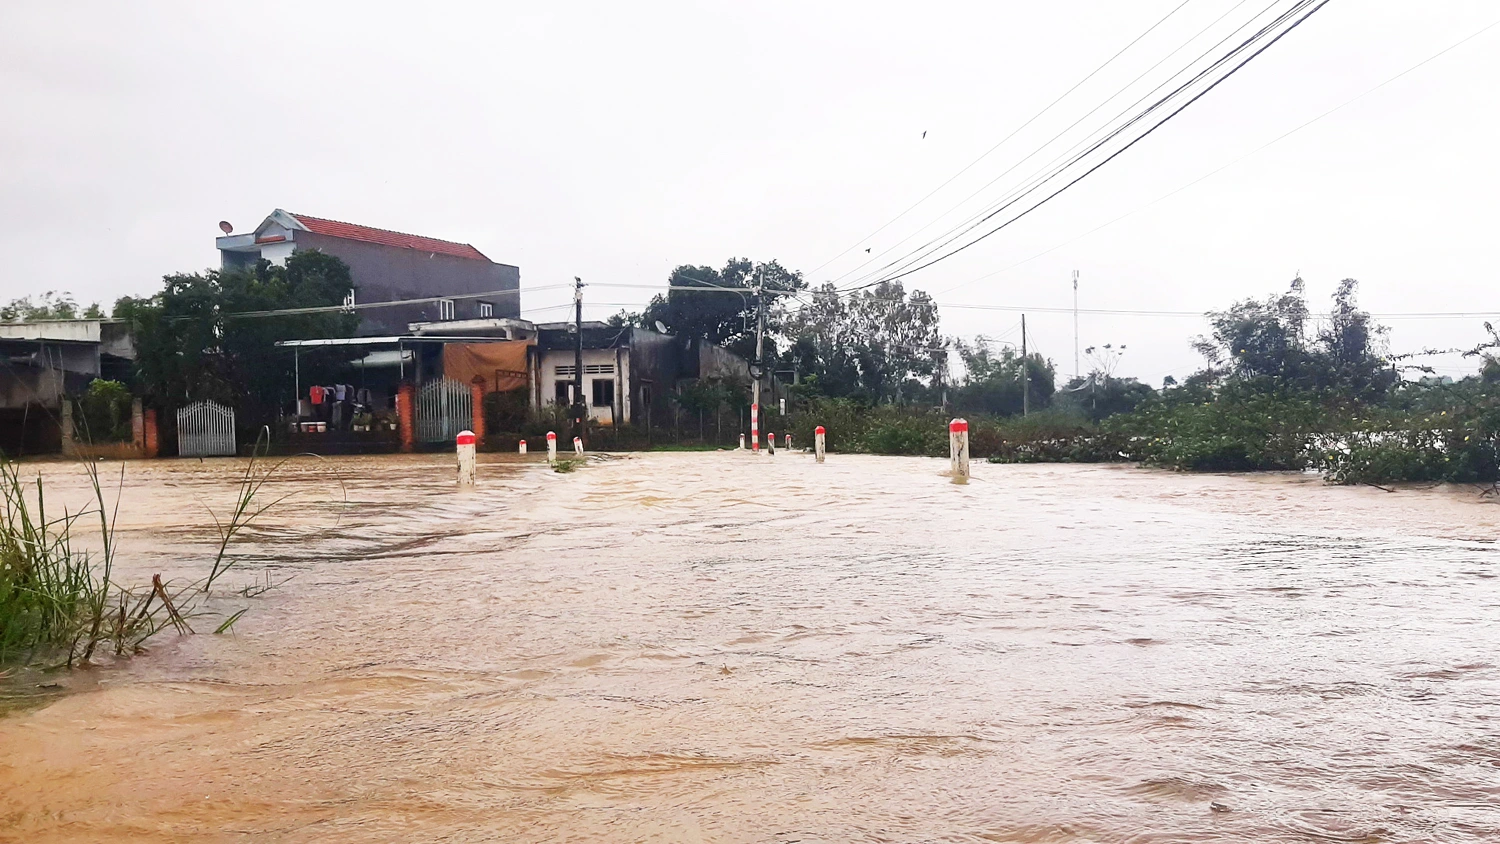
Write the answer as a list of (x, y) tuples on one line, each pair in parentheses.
[(716, 647)]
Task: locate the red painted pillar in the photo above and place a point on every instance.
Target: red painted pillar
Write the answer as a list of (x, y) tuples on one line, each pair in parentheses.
[(150, 433), (406, 415), (476, 392)]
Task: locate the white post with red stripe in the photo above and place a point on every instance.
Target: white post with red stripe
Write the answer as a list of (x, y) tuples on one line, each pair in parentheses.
[(465, 458), (958, 449), (818, 434), (770, 443), (578, 446), (755, 428), (523, 447), (742, 442), (551, 447)]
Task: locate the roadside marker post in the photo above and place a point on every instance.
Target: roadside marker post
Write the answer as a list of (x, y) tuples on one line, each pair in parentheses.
[(578, 446), (786, 441), (755, 428), (958, 449), (551, 447), (742, 442), (465, 458), (523, 446), (818, 433), (770, 443)]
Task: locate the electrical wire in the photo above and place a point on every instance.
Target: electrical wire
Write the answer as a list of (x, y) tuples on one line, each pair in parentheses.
[(1014, 132), (1137, 139), (1252, 152), (1067, 129)]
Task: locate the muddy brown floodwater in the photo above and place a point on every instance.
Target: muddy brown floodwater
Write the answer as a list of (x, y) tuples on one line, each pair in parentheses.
[(717, 647)]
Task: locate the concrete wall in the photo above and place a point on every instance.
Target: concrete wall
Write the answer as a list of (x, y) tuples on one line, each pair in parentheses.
[(655, 367), (608, 365), (389, 274)]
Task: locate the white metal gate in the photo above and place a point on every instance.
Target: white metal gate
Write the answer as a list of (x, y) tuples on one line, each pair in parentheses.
[(444, 408), (205, 429)]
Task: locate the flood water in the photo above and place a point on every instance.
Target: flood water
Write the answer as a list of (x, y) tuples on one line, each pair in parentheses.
[(717, 647)]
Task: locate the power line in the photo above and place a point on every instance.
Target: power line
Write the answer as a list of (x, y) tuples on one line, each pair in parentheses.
[(1060, 134), (1116, 153), (1252, 152), (1003, 140)]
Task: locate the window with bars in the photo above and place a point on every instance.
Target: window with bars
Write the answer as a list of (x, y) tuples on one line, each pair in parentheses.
[(445, 309), (588, 369), (486, 310)]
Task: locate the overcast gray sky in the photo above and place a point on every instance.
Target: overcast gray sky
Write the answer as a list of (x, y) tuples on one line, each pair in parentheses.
[(615, 141)]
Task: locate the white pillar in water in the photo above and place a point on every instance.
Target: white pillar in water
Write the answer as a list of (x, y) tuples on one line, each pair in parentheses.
[(742, 442), (770, 443), (551, 447), (818, 433), (958, 449), (523, 447), (578, 446), (786, 441), (466, 458)]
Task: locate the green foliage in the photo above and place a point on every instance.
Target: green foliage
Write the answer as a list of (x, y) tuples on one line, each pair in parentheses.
[(727, 318), (190, 346), (1100, 396), (993, 382), (506, 412), (104, 412), (1241, 429), (874, 345), (50, 305)]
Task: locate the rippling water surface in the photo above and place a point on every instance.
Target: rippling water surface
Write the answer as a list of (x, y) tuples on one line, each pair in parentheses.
[(716, 647)]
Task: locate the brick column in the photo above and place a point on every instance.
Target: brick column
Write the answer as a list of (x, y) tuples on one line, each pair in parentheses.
[(406, 415), (137, 426), (150, 434), (476, 393)]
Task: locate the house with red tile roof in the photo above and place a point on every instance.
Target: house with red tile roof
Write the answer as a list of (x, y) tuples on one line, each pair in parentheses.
[(434, 280)]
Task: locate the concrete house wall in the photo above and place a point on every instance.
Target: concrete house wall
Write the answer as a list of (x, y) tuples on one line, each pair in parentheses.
[(390, 274)]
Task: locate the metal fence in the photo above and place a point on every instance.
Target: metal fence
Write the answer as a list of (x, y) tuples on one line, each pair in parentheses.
[(205, 429), (444, 408)]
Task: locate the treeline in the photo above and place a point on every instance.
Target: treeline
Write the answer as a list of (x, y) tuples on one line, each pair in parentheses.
[(1279, 391)]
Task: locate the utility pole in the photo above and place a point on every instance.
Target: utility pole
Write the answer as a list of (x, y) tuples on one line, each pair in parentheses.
[(579, 409), (1076, 369), (759, 369), (1025, 372)]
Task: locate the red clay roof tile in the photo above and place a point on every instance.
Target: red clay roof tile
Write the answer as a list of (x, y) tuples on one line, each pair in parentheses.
[(350, 231)]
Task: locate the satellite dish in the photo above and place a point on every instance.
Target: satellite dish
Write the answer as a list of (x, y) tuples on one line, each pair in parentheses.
[(225, 227), (660, 329)]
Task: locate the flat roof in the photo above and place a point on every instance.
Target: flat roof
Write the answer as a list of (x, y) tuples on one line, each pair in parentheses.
[(392, 341)]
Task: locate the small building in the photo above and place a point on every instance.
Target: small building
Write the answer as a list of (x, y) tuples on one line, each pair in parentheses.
[(47, 362), (442, 280), (628, 373)]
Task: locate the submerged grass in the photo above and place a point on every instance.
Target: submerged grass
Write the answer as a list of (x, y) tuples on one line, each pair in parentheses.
[(60, 604)]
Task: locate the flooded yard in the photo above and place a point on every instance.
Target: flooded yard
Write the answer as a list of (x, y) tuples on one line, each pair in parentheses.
[(719, 647)]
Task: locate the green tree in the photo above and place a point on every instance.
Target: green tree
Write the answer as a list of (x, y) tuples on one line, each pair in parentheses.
[(992, 382), (1269, 341), (50, 305), (868, 344), (729, 317), (192, 343)]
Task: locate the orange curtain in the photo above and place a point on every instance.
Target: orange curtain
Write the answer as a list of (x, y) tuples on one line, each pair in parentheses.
[(501, 365)]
